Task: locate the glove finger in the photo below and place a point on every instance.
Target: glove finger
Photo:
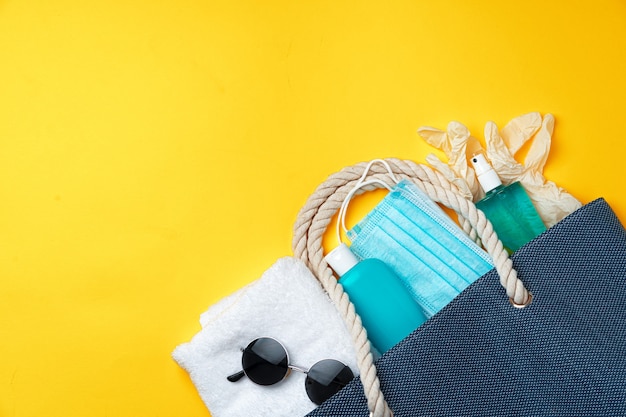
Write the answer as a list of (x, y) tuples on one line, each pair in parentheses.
[(458, 180), (537, 155), (458, 135), (499, 155), (435, 137), (517, 132)]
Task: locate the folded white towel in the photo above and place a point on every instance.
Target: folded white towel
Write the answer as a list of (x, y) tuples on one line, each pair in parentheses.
[(288, 304)]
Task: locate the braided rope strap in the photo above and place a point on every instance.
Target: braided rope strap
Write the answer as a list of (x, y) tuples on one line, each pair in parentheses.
[(317, 213)]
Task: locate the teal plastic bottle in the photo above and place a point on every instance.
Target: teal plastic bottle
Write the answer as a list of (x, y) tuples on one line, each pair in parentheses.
[(508, 208), (388, 311)]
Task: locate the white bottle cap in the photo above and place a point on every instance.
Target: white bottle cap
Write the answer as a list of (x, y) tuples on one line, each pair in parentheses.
[(341, 259), (487, 176)]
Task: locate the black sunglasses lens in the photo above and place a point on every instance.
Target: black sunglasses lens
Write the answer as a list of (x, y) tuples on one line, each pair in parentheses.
[(326, 378), (265, 361)]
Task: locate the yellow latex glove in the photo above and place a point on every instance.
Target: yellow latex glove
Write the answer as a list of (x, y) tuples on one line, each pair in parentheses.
[(551, 201)]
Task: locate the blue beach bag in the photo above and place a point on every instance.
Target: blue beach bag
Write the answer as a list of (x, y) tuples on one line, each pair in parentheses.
[(542, 334)]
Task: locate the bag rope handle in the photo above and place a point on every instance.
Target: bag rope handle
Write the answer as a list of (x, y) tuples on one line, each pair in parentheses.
[(317, 213)]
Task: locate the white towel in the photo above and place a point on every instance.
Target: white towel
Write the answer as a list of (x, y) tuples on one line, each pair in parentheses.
[(288, 304)]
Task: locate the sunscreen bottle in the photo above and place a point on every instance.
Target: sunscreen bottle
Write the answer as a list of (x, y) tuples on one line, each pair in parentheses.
[(387, 309)]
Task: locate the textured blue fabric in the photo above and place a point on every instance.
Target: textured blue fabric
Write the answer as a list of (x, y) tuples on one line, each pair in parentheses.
[(563, 355)]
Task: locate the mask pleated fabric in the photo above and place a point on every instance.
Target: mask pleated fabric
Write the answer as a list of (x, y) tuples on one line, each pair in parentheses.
[(434, 258)]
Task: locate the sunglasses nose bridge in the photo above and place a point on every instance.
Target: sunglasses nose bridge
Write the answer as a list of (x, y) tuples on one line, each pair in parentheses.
[(299, 369)]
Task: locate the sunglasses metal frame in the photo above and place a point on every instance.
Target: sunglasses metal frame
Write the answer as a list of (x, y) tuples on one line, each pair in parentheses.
[(238, 375)]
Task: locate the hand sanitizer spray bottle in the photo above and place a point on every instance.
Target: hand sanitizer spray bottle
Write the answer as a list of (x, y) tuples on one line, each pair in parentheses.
[(508, 208), (386, 308)]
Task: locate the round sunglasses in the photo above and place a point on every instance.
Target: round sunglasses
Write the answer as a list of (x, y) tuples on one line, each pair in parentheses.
[(265, 362)]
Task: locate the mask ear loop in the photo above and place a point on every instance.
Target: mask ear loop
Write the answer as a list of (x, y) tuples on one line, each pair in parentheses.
[(341, 216)]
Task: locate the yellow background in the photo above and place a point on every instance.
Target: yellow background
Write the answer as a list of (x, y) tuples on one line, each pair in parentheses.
[(154, 155)]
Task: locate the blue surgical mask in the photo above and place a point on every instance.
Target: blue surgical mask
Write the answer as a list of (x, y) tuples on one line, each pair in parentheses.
[(421, 244)]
